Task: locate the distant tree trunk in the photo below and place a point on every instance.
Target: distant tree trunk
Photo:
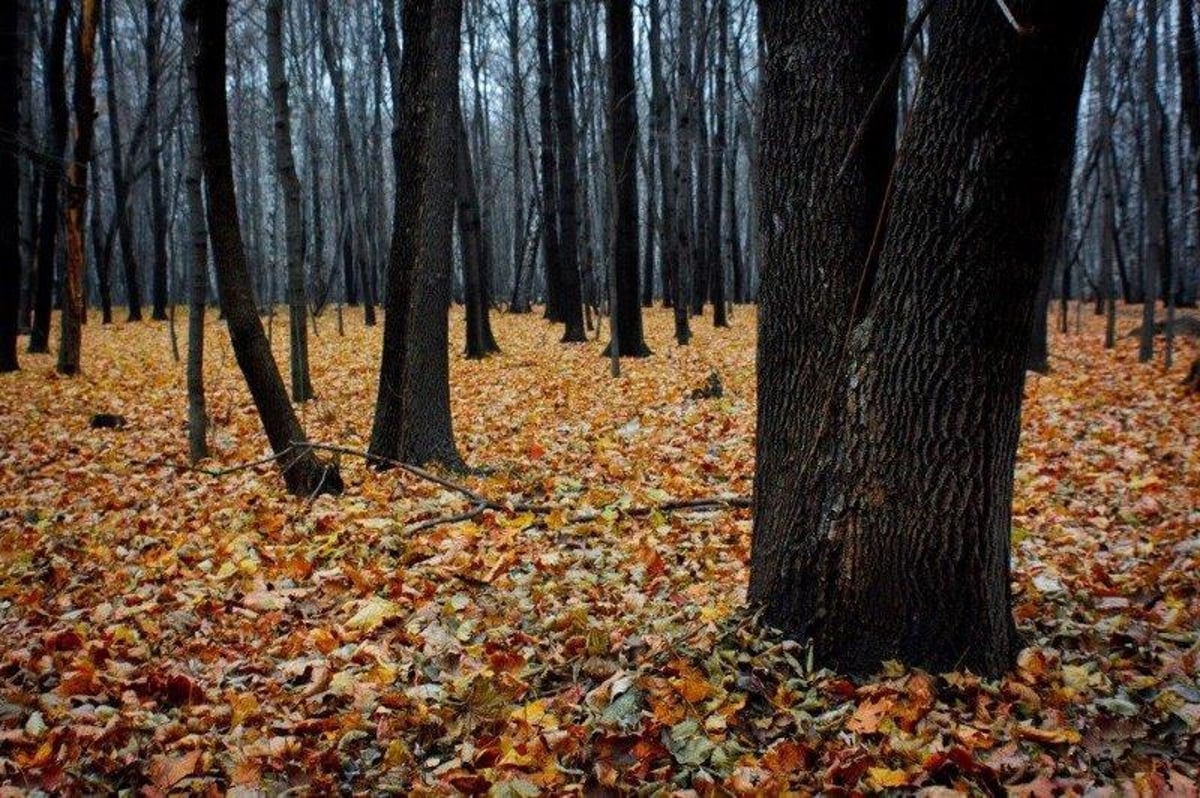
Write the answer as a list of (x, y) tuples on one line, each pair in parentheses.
[(11, 49), (685, 92), (623, 140), (702, 149), (1155, 185), (158, 207), (133, 292), (303, 472), (564, 118), (56, 144), (350, 163), (474, 250), (198, 263), (73, 303), (551, 250), (882, 531), (660, 150), (717, 241), (285, 169), (412, 412)]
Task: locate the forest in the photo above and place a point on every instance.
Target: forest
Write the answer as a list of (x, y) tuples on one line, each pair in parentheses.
[(599, 397)]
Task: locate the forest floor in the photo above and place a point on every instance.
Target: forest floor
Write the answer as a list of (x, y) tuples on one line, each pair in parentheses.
[(165, 630)]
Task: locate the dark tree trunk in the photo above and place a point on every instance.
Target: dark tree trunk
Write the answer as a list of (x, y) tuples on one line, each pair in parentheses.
[(73, 303), (10, 175), (358, 217), (56, 145), (285, 169), (304, 473), (882, 516), (412, 412), (517, 97), (623, 141), (660, 150), (1154, 261), (158, 206), (717, 239), (685, 133), (133, 291), (571, 298), (1187, 56), (198, 263), (474, 250), (548, 155)]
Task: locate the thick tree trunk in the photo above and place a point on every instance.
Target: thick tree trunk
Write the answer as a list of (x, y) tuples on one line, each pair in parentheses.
[(158, 206), (412, 412), (474, 250), (882, 524), (198, 263), (304, 473), (10, 175), (285, 170), (623, 141), (56, 144), (73, 304), (571, 298)]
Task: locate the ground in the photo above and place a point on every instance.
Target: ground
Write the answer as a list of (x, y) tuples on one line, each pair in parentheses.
[(169, 631)]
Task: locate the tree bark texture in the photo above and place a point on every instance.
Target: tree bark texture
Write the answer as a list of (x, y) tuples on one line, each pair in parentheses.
[(571, 298), (10, 175)]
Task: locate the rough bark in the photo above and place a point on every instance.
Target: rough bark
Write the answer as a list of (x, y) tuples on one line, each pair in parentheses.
[(56, 144), (571, 296), (73, 300), (412, 411), (623, 143), (899, 548), (10, 176), (285, 170), (198, 263), (303, 472)]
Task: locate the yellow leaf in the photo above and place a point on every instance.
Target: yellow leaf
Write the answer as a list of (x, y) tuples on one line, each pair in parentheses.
[(374, 612)]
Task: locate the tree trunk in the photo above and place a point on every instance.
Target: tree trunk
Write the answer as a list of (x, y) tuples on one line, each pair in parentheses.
[(11, 49), (358, 216), (882, 518), (717, 240), (412, 412), (1154, 260), (1108, 205), (474, 249), (517, 98), (685, 133), (158, 207), (56, 144), (73, 303), (198, 263), (548, 155), (571, 298), (285, 169), (303, 472), (660, 150), (623, 140)]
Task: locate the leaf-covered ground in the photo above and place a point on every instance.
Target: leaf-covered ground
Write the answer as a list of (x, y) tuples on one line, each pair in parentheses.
[(167, 631)]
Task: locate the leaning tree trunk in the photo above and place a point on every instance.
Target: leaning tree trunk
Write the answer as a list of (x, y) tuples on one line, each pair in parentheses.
[(56, 102), (623, 139), (564, 118), (475, 253), (198, 264), (77, 189), (412, 411), (302, 470), (285, 169), (10, 176), (899, 547), (548, 157)]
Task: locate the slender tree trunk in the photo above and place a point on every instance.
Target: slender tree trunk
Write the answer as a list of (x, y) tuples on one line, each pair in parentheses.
[(198, 263), (412, 412), (548, 155), (31, 174), (717, 240), (289, 182), (517, 109), (1108, 206), (303, 472), (11, 32), (1154, 260), (882, 531), (158, 208), (474, 250), (660, 132), (73, 304), (623, 141), (685, 134), (564, 118), (59, 119)]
